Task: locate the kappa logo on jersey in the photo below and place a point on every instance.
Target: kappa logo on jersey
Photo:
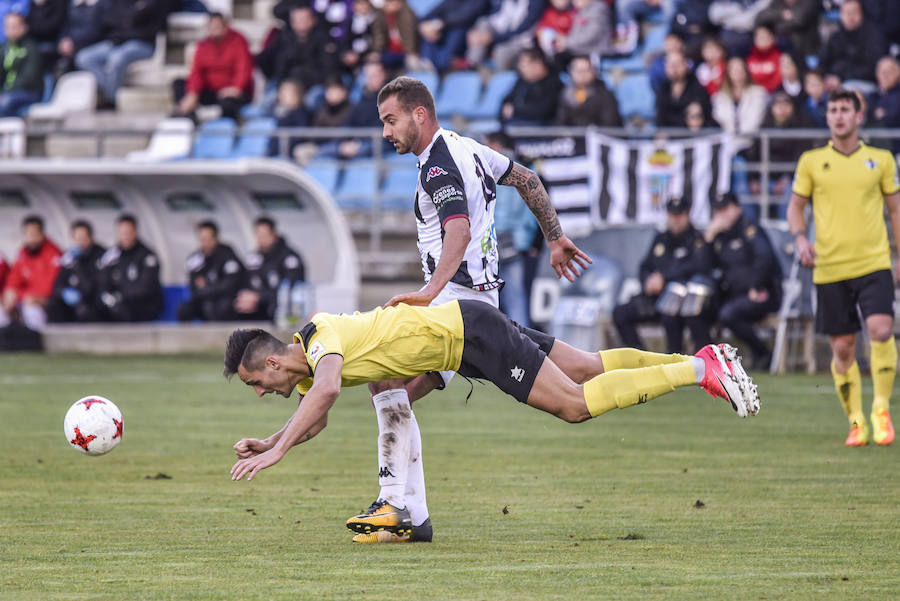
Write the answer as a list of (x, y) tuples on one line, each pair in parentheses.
[(316, 351), (517, 373), (434, 172)]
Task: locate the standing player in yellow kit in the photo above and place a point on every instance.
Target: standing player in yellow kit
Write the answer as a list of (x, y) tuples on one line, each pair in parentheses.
[(849, 184)]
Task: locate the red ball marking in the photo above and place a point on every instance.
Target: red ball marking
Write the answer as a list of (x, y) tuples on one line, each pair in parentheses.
[(81, 440), (88, 402), (119, 423)]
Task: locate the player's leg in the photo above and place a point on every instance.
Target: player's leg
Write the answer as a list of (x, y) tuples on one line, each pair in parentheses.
[(876, 302), (580, 366)]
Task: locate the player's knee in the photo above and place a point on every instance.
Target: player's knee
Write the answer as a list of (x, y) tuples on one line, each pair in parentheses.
[(574, 413), (379, 387), (881, 332)]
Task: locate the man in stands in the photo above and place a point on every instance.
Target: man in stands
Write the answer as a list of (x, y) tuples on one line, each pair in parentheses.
[(443, 30), (82, 28), (587, 101), (75, 291), (680, 89), (30, 281), (272, 263), (533, 99), (215, 274), (851, 53), (129, 277), (221, 74), (129, 35), (21, 82), (45, 22), (302, 51)]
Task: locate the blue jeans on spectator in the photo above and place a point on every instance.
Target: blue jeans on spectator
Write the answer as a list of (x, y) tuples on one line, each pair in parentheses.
[(514, 296), (109, 63), (630, 11), (12, 101), (442, 52)]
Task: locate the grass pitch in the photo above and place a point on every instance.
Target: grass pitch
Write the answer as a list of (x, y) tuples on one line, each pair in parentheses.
[(676, 499)]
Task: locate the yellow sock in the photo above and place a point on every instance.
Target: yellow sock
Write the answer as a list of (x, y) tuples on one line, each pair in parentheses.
[(632, 358), (884, 367), (626, 387), (849, 391)]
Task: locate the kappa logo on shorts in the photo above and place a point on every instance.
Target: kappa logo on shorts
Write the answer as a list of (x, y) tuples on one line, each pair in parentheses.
[(517, 373), (434, 172)]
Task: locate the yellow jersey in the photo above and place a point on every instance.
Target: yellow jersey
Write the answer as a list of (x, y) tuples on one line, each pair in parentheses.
[(847, 192), (397, 342)]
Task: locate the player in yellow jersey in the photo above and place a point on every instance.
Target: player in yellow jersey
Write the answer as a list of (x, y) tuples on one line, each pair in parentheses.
[(477, 341), (849, 184)]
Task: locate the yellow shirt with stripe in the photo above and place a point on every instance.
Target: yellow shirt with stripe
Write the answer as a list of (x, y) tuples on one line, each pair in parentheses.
[(847, 193), (396, 342)]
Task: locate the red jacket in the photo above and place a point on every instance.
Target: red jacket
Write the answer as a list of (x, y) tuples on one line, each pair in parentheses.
[(34, 274), (222, 63), (765, 67), (556, 20)]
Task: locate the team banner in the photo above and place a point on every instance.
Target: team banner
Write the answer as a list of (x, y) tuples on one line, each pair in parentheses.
[(596, 180)]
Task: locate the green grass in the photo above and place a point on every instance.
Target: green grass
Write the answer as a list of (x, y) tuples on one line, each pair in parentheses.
[(604, 509)]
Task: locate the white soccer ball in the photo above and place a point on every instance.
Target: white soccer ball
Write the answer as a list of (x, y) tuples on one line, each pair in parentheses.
[(93, 425)]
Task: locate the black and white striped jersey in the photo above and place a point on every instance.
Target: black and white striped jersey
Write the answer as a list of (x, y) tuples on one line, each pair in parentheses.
[(458, 178)]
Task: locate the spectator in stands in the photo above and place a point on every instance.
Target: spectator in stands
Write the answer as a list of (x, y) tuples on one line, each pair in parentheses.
[(711, 72), (886, 15), (443, 30), (505, 32), (676, 255), (795, 22), (19, 7), (30, 280), (21, 82), (129, 287), (289, 112), (680, 89), (691, 23), (45, 22), (736, 19), (591, 34), (884, 103), (792, 80), (302, 51), (587, 101), (764, 61), (130, 29), (74, 295), (358, 41), (628, 13), (215, 275), (83, 27), (221, 73), (740, 105), (694, 119), (395, 36), (532, 101), (750, 284), (554, 26), (272, 263), (365, 113), (816, 96), (850, 54), (657, 69), (336, 106)]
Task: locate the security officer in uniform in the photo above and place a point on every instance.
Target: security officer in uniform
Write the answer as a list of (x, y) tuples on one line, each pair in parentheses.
[(272, 263), (74, 296), (750, 281), (676, 255), (215, 274), (129, 287)]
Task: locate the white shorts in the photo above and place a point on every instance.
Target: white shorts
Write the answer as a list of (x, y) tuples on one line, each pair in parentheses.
[(454, 291)]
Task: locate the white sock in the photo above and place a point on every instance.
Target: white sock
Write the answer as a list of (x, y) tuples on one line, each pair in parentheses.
[(415, 477), (699, 368), (394, 417)]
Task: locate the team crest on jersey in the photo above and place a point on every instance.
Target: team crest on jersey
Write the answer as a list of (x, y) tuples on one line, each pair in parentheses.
[(434, 172), (870, 164)]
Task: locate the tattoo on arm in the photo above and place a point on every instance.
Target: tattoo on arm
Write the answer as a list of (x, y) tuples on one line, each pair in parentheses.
[(306, 436), (535, 196)]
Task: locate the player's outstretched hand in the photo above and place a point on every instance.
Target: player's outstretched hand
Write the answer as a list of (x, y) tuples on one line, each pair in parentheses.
[(563, 257), (248, 447), (806, 251), (249, 466), (415, 299)]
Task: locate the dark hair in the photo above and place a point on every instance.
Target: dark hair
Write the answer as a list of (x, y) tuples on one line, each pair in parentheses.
[(208, 224), (535, 54), (500, 138), (845, 94), (82, 223), (129, 218), (34, 220), (250, 348), (266, 221), (410, 92), (217, 15)]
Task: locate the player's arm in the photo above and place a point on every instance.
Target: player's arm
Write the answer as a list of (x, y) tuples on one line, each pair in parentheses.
[(248, 447), (893, 205), (563, 254), (796, 218), (314, 408)]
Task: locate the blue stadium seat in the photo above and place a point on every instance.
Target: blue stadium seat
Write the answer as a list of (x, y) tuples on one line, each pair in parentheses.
[(500, 84), (172, 297), (422, 7), (358, 185), (459, 95), (429, 78), (254, 140), (214, 139), (653, 40), (399, 188), (325, 173), (629, 64), (636, 97)]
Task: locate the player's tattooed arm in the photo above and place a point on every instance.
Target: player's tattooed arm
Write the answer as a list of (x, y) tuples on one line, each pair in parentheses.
[(535, 196)]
